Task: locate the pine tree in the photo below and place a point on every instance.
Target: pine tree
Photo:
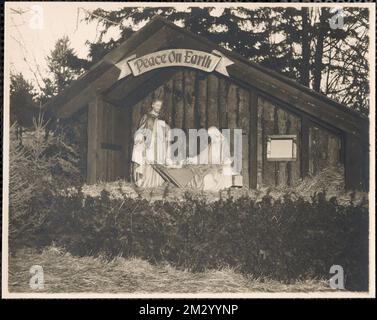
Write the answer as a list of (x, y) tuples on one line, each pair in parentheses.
[(22, 101), (297, 42), (64, 66)]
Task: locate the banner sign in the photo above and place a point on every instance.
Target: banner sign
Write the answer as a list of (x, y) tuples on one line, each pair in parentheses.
[(208, 62)]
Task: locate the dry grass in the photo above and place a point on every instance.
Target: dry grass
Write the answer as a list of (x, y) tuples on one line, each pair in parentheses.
[(330, 181), (64, 273)]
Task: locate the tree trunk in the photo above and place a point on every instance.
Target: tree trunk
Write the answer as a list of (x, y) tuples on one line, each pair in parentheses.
[(305, 43), (318, 55)]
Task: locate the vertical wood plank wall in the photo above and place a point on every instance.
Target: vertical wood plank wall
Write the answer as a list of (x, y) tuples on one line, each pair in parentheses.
[(94, 156), (324, 150), (194, 99), (78, 136), (108, 144), (356, 166), (273, 120)]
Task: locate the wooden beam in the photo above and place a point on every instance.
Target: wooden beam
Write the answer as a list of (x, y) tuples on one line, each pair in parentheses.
[(94, 154), (89, 92), (189, 99), (355, 164), (223, 92), (102, 77), (125, 87), (202, 99), (109, 59), (124, 95), (127, 140), (253, 140), (212, 100), (243, 101), (178, 92), (305, 127)]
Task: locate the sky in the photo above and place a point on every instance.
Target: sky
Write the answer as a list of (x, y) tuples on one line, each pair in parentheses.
[(33, 28)]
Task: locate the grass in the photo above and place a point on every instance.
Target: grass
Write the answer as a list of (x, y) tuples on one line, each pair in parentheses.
[(64, 273), (329, 180)]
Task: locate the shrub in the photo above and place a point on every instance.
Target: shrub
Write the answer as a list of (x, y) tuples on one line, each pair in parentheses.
[(39, 163), (284, 239)]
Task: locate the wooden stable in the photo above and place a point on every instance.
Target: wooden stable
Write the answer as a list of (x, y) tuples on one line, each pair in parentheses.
[(105, 111)]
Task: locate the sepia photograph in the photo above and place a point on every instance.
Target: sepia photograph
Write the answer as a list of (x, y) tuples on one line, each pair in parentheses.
[(188, 150)]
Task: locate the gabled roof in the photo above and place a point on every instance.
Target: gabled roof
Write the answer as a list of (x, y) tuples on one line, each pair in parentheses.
[(160, 34)]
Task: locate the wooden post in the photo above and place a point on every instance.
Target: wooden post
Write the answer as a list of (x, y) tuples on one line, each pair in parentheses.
[(202, 100), (232, 107), (94, 155), (282, 121), (253, 140), (244, 123), (189, 100), (268, 127), (168, 102), (294, 167), (127, 143), (355, 164), (179, 100), (212, 101), (305, 126), (222, 105)]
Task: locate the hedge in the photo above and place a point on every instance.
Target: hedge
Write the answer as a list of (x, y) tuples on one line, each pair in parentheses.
[(281, 239)]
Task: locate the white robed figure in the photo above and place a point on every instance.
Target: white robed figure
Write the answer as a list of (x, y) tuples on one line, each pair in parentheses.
[(150, 147), (216, 155)]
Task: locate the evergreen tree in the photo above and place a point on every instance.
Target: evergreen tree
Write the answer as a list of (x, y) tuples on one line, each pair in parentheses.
[(297, 42), (64, 66), (22, 101), (234, 29)]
